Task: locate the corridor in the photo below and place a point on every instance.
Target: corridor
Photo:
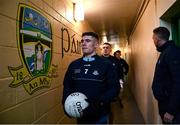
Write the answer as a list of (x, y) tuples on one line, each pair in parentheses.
[(130, 113), (40, 38)]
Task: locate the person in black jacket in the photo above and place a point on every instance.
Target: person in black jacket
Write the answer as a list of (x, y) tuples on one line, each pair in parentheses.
[(122, 62), (96, 78), (106, 51), (166, 82)]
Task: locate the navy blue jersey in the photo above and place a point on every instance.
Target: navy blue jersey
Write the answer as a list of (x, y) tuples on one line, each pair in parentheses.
[(97, 79)]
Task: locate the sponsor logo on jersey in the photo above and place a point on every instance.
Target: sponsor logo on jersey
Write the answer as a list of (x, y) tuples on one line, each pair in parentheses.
[(87, 64)]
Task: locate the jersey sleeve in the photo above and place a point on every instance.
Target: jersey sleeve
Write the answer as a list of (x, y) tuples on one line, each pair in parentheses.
[(67, 83)]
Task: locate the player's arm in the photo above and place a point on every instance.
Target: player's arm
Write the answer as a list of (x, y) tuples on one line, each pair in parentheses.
[(67, 83)]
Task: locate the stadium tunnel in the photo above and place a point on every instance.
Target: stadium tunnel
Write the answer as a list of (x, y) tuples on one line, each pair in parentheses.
[(31, 91)]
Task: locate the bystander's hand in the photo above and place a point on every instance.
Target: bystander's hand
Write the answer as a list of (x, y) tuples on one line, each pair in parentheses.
[(168, 118)]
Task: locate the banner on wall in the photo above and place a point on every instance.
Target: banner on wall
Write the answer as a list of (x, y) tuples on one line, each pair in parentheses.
[(34, 36)]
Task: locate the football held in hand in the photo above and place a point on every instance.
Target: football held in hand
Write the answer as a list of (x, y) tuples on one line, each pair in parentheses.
[(75, 103)]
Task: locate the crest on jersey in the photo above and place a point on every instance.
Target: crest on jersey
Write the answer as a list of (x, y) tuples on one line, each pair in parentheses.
[(95, 73)]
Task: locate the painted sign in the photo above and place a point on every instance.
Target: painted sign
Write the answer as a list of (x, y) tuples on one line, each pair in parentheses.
[(34, 36), (74, 46)]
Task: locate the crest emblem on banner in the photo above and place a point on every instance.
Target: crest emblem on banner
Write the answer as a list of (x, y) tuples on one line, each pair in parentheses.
[(34, 36)]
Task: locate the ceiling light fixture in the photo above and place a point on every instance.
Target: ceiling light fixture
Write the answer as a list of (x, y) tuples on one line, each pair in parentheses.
[(78, 11)]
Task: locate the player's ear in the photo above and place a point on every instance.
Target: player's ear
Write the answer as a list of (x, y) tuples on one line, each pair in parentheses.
[(96, 44)]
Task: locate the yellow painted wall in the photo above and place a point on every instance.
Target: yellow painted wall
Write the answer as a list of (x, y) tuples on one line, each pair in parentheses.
[(143, 58), (44, 105)]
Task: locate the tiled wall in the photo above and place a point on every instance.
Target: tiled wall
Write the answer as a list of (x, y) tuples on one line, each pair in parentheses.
[(44, 105)]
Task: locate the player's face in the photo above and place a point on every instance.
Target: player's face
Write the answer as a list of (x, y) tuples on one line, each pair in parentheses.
[(106, 50), (89, 45), (155, 39), (117, 55)]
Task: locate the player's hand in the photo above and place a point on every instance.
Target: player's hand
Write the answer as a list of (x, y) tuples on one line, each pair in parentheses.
[(121, 83), (94, 108)]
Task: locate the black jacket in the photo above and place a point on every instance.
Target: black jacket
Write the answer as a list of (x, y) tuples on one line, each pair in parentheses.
[(96, 79), (117, 65), (166, 82), (124, 66)]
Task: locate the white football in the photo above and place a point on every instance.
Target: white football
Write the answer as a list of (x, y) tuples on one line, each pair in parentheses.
[(75, 103)]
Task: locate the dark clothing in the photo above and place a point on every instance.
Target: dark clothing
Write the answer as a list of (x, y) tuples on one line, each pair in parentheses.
[(96, 79), (166, 82), (124, 65), (119, 70), (116, 64)]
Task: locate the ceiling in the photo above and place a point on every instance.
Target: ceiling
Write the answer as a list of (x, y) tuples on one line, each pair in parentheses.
[(113, 18)]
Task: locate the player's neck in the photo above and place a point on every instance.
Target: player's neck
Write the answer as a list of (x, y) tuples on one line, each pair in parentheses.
[(106, 55), (90, 55)]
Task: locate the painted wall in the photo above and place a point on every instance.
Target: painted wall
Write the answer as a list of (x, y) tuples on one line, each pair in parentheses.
[(143, 58), (31, 94)]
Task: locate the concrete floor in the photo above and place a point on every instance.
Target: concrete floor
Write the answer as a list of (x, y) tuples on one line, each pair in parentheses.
[(130, 113)]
